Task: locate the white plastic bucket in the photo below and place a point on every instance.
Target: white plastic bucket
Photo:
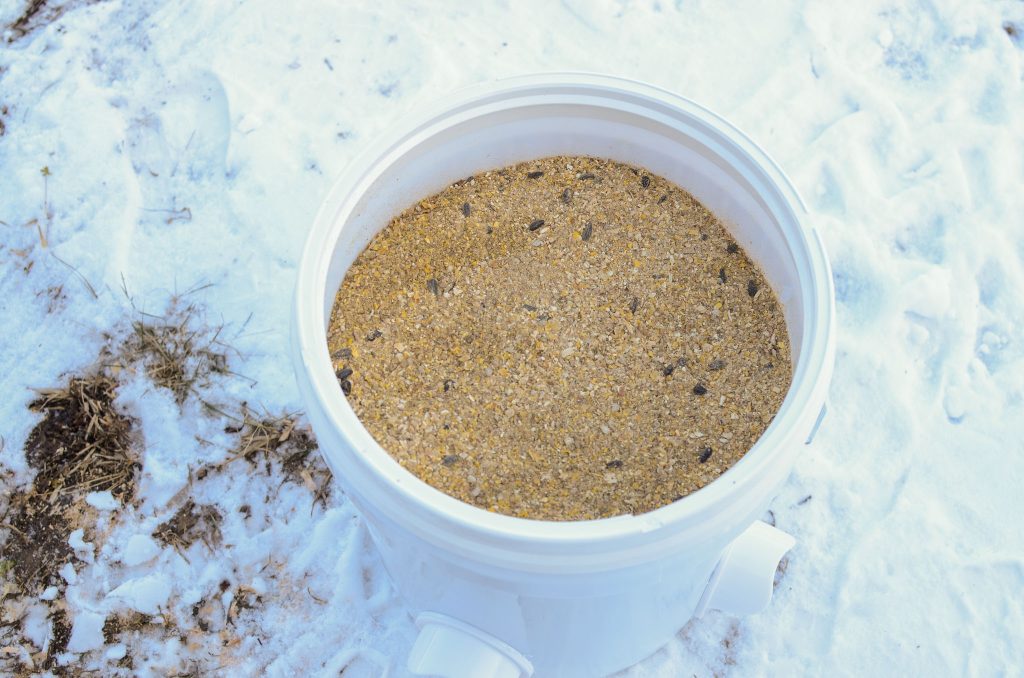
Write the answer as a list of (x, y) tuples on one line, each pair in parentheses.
[(498, 596)]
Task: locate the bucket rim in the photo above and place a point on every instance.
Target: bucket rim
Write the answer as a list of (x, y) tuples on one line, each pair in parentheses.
[(440, 518)]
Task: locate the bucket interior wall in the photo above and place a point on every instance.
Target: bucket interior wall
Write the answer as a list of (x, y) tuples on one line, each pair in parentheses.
[(694, 160)]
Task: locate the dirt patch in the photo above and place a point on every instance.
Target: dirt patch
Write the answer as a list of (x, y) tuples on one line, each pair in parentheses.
[(191, 523), (36, 546), (59, 637), (115, 625), (82, 445)]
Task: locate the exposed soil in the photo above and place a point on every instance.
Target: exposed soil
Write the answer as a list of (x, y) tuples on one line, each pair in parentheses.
[(82, 445)]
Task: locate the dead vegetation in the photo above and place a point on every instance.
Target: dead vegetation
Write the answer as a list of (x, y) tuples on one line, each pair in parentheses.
[(189, 524), (271, 437), (20, 658), (126, 622), (82, 445), (23, 25), (39, 13), (60, 634), (178, 351), (279, 439), (245, 598)]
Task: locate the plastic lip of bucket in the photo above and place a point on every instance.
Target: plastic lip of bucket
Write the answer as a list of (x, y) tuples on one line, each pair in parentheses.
[(376, 480)]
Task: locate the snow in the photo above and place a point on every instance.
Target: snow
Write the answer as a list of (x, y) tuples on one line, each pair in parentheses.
[(87, 632), (144, 594), (189, 145), (140, 548), (104, 501), (68, 572)]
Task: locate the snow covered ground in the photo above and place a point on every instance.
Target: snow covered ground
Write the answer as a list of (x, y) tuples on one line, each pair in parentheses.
[(155, 156)]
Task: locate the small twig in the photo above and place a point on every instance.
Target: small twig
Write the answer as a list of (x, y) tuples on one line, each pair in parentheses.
[(198, 288), (8, 526), (45, 171), (124, 288), (81, 277)]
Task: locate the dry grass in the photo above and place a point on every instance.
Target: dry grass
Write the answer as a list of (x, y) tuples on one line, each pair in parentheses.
[(125, 622), (82, 445), (191, 523), (280, 439), (178, 351), (39, 13), (271, 436)]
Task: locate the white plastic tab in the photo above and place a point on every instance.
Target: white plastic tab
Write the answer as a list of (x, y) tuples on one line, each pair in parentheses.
[(744, 579), (448, 648)]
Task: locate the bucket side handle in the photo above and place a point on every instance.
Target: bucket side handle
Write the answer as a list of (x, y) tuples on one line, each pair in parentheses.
[(449, 648), (744, 579)]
